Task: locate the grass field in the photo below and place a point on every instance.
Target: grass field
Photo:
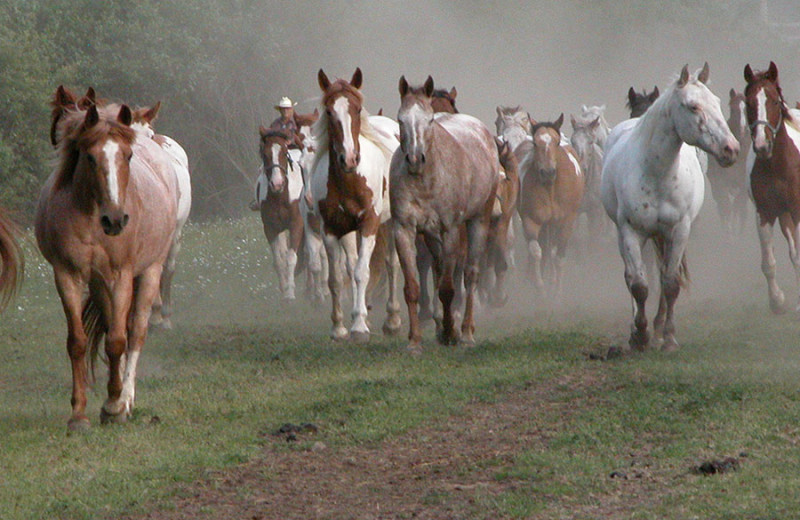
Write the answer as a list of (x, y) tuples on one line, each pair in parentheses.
[(240, 363)]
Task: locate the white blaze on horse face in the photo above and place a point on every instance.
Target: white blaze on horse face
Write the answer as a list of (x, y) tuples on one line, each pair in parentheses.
[(276, 174), (341, 107), (742, 117), (413, 120), (110, 150), (760, 135)]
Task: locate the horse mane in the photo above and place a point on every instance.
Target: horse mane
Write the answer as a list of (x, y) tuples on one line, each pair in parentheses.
[(75, 136)]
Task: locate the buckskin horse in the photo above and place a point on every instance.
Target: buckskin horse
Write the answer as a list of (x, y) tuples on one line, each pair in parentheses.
[(444, 175), (105, 221), (652, 188), (774, 166)]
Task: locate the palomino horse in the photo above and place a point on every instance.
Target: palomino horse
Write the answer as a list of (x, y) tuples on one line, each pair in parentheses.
[(652, 187), (278, 191), (105, 219), (11, 260), (587, 146), (349, 186), (729, 189), (444, 175), (143, 125), (552, 186), (774, 166)]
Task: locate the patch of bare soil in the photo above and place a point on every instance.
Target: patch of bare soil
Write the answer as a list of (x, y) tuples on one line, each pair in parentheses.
[(438, 471)]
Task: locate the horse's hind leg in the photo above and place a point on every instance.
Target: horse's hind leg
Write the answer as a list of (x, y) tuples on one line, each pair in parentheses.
[(391, 326), (776, 296), (791, 231), (476, 245), (161, 316), (630, 248)]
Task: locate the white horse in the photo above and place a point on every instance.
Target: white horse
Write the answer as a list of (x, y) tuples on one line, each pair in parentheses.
[(513, 126), (652, 187), (143, 125), (601, 130), (587, 136)]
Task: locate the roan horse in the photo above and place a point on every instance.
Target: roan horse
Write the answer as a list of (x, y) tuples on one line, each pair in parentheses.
[(444, 175), (11, 260), (105, 219), (774, 166), (730, 188), (652, 188), (551, 193), (349, 187), (278, 192)]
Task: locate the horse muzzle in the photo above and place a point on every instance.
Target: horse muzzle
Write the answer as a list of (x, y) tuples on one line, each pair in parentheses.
[(114, 222), (547, 175), (349, 162), (415, 162), (729, 153)]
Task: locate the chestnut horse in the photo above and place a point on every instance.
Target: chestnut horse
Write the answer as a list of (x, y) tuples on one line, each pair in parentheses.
[(652, 188), (552, 185), (105, 220), (444, 176), (11, 260), (774, 166), (278, 191), (349, 188)]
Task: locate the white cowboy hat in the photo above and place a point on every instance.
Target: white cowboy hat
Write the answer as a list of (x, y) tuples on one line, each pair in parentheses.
[(285, 102)]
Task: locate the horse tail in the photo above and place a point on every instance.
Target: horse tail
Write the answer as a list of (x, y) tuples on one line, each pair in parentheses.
[(12, 263), (684, 280), (95, 326), (377, 263)]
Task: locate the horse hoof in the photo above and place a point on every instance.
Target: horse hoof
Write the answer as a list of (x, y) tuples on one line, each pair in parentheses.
[(670, 345), (78, 425), (340, 334), (498, 301), (390, 330), (447, 339), (414, 348), (359, 336), (639, 340), (777, 307), (110, 418), (467, 341)]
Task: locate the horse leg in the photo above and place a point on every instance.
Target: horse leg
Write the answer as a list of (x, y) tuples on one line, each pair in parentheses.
[(294, 238), (476, 245), (165, 293), (359, 330), (391, 326), (791, 231), (450, 249), (671, 280), (405, 243), (70, 290), (532, 230), (114, 409), (630, 248), (424, 263), (349, 244), (776, 296), (146, 291), (338, 332)]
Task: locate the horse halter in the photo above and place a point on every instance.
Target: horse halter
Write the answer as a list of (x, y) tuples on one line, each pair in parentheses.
[(755, 124)]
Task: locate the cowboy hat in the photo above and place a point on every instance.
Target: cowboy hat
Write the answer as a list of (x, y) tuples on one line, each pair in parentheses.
[(285, 102)]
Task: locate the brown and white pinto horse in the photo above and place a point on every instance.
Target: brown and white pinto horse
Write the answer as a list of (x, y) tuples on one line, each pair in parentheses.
[(349, 187), (12, 263), (105, 220), (443, 176), (278, 192), (774, 166), (551, 193)]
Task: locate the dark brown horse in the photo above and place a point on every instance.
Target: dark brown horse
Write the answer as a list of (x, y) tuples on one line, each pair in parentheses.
[(551, 193), (11, 260), (278, 192), (774, 171), (444, 176), (639, 103), (105, 221)]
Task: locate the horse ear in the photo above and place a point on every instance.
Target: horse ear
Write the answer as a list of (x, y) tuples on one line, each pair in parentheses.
[(453, 93), (595, 123), (316, 112), (654, 94), (631, 96), (63, 97), (584, 109), (149, 114), (748, 73), (772, 72), (684, 78), (125, 115), (703, 76), (402, 86), (732, 93), (572, 120), (380, 111), (357, 78), (90, 98), (92, 117), (428, 86), (323, 80), (531, 121), (559, 122), (262, 131), (499, 112)]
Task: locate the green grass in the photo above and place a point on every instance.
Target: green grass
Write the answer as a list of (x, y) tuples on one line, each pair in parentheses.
[(240, 363)]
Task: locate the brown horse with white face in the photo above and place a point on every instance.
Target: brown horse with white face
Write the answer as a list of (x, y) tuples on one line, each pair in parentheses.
[(774, 166), (105, 221), (444, 175), (11, 260), (278, 192), (551, 193)]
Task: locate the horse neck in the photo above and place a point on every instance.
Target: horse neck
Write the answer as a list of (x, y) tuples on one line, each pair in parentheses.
[(514, 136), (658, 136)]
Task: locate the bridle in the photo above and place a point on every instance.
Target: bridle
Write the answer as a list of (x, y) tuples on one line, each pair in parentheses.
[(759, 122)]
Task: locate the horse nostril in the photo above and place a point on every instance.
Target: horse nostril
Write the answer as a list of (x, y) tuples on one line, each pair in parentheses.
[(125, 219), (105, 221), (422, 158)]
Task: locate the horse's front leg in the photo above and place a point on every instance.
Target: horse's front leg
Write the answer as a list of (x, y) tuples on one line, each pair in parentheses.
[(115, 409), (359, 330), (768, 262), (424, 264), (673, 276), (630, 248), (295, 239), (70, 290), (450, 251), (532, 230), (338, 331), (391, 326), (405, 243), (791, 231)]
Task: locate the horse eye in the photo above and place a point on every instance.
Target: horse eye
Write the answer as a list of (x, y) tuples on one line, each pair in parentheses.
[(129, 157), (91, 160), (694, 108)]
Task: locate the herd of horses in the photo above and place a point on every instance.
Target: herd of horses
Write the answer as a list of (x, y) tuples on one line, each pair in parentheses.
[(360, 198)]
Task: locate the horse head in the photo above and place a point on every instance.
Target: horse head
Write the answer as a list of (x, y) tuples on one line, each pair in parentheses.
[(143, 119), (546, 142), (639, 103), (274, 150), (342, 102), (766, 108), (444, 101), (584, 137), (415, 118), (737, 107), (512, 124), (101, 143)]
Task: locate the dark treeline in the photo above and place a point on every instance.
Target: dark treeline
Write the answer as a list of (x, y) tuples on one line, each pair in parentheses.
[(218, 66)]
